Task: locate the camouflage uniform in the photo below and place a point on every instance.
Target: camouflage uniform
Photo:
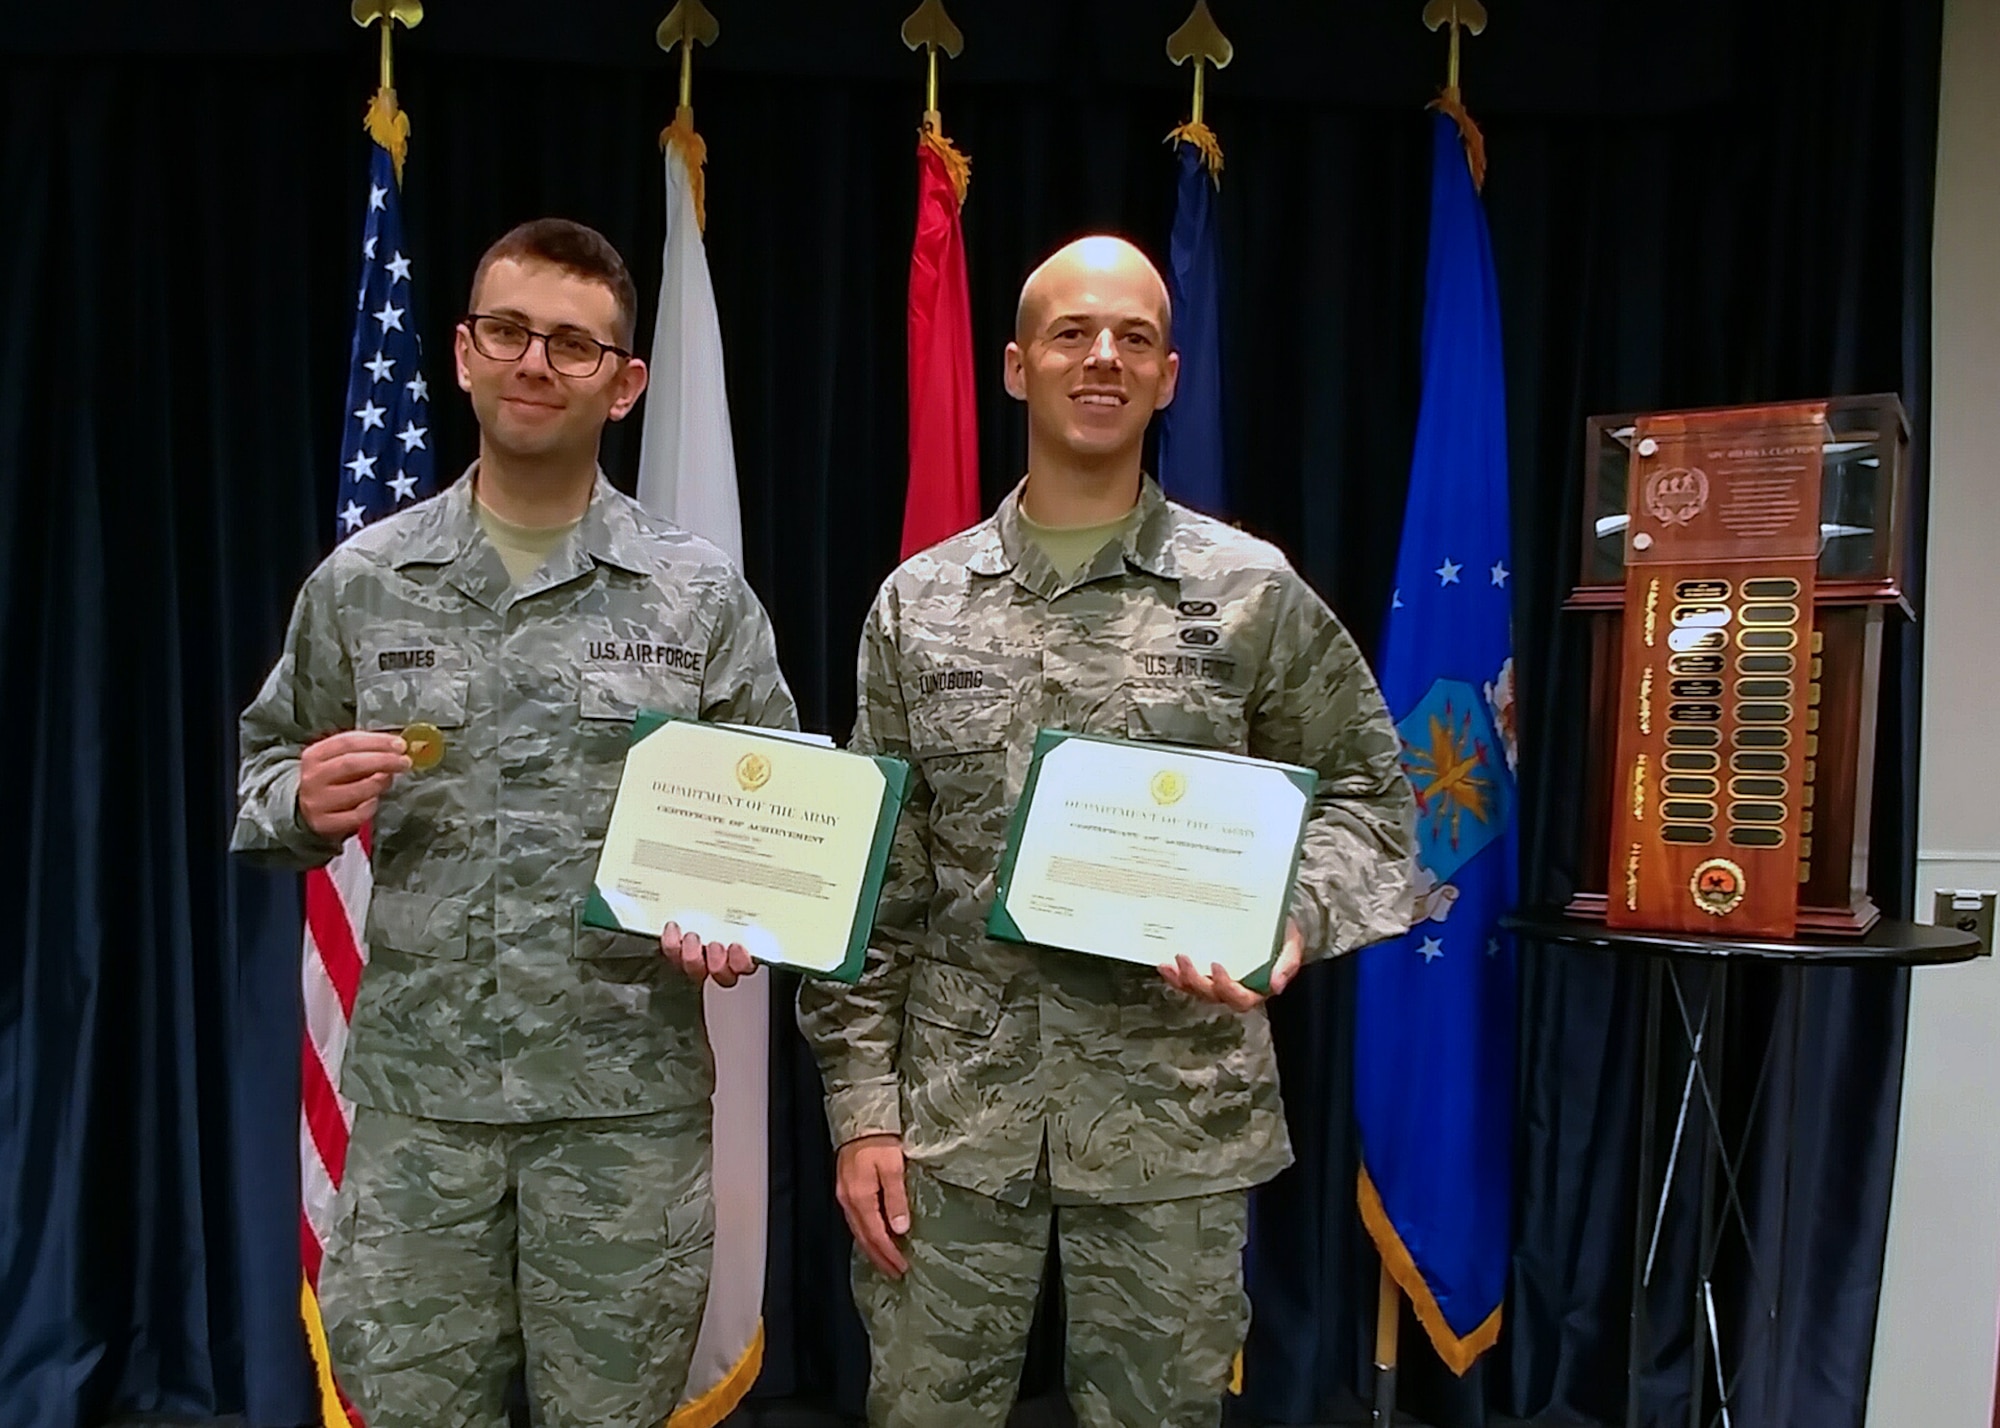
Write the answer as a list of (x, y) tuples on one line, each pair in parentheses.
[(1027, 1077), (521, 1079), (587, 1242)]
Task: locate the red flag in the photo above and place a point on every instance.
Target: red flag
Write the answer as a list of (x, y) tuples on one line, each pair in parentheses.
[(944, 428)]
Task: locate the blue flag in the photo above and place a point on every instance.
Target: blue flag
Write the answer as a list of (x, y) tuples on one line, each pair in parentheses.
[(1434, 1042), (385, 440), (1191, 428)]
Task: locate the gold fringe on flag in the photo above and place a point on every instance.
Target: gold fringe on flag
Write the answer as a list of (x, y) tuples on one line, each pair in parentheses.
[(390, 127), (956, 164), (1459, 1353), (1449, 103), (694, 153), (333, 1414), (1203, 138), (709, 1410)]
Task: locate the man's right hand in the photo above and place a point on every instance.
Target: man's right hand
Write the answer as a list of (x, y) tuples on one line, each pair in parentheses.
[(343, 776), (872, 1196)]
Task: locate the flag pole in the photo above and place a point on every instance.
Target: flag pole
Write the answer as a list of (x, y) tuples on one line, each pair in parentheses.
[(1388, 1319), (942, 497), (1435, 1030), (1468, 15), (689, 23), (386, 123), (1200, 42), (340, 889), (1459, 15), (388, 13), (930, 29), (687, 475)]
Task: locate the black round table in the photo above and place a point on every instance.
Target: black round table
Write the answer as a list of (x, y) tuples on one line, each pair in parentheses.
[(1887, 943), (1690, 973)]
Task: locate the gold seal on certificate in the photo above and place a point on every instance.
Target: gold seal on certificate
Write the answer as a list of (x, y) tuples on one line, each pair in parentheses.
[(1144, 851), (773, 840)]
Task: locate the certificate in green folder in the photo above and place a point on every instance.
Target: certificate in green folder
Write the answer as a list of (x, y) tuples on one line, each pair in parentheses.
[(754, 836), (1142, 852)]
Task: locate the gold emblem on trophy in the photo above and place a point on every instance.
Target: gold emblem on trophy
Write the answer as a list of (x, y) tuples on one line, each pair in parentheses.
[(1717, 886), (1168, 786), (753, 771)]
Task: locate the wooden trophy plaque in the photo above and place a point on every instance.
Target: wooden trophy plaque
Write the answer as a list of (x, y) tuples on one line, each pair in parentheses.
[(1738, 564), (1713, 758)]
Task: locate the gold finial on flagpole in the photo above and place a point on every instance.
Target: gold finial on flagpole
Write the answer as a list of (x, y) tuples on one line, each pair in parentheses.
[(928, 28), (387, 124), (1467, 15), (389, 13), (1460, 15), (1200, 40), (689, 23)]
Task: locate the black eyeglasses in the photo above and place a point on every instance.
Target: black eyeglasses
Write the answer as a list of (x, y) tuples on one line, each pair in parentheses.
[(574, 354)]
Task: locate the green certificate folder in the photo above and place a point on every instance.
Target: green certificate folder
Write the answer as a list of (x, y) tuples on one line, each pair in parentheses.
[(755, 836), (1142, 851)]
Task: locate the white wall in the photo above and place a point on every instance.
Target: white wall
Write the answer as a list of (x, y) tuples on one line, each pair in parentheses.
[(1936, 1339)]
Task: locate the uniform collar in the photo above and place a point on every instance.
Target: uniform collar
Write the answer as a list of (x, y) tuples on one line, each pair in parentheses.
[(450, 536), (1148, 545)]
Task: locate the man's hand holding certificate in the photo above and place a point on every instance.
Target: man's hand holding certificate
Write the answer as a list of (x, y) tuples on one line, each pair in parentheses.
[(767, 842), (1151, 853)]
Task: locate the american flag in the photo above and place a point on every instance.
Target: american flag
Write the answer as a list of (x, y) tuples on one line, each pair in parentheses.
[(385, 465)]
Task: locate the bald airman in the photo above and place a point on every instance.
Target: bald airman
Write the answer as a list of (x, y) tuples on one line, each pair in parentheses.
[(988, 1095)]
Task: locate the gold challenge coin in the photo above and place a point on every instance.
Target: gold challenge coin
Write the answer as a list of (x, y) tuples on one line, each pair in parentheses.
[(425, 745)]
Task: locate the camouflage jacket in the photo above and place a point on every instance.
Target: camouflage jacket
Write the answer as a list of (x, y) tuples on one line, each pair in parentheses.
[(978, 1051), (484, 999)]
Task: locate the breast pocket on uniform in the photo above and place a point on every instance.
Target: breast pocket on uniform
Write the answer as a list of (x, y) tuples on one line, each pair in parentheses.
[(420, 804), (944, 727), (956, 998), (608, 700), (1194, 716), (961, 746), (417, 923), (390, 703)]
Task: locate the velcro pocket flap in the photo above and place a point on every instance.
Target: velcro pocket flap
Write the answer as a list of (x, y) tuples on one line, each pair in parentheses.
[(949, 995), (418, 923)]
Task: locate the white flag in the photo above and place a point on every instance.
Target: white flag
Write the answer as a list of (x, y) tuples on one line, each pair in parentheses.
[(687, 473), (687, 462)]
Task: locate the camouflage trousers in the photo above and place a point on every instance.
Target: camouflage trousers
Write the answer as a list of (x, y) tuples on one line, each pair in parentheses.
[(463, 1251), (1152, 1293)]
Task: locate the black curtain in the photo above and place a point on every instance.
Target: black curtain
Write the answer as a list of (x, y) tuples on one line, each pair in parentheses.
[(1716, 205)]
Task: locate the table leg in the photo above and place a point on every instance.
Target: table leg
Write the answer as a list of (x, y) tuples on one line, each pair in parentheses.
[(1709, 1053), (1644, 1215)]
